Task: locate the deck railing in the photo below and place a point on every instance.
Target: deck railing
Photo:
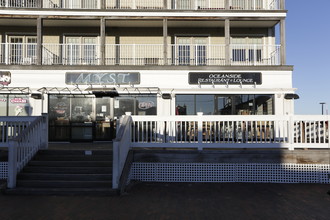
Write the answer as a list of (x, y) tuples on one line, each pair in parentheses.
[(25, 143), (140, 54), (147, 4), (258, 131)]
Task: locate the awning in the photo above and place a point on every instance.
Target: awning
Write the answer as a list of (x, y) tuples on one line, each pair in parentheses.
[(291, 96)]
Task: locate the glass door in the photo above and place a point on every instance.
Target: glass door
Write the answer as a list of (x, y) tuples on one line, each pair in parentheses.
[(82, 118), (23, 49), (104, 123), (192, 50)]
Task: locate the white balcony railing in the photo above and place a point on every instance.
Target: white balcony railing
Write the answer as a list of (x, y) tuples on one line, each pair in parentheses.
[(18, 53), (247, 55), (71, 54), (140, 54), (147, 4)]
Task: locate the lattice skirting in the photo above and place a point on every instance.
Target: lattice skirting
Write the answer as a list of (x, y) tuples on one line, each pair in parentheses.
[(230, 172), (3, 170)]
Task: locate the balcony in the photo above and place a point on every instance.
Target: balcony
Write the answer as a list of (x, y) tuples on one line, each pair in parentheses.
[(147, 4), (141, 55)]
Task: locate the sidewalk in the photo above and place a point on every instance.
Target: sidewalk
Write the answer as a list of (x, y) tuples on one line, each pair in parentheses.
[(179, 201)]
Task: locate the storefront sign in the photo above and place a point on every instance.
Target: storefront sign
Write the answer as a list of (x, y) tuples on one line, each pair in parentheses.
[(109, 78), (146, 105), (224, 78), (5, 78), (18, 100)]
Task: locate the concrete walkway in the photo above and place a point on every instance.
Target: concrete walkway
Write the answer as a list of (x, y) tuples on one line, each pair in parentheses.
[(179, 201)]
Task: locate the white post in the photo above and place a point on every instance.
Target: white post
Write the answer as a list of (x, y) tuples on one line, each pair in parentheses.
[(291, 132), (12, 164), (200, 130)]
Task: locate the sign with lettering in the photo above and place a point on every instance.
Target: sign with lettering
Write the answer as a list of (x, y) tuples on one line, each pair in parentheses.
[(224, 78), (5, 78), (107, 78)]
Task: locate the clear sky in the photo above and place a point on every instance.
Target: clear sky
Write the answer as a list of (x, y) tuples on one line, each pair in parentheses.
[(308, 49)]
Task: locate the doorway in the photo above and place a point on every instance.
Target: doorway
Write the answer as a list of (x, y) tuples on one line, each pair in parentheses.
[(80, 118)]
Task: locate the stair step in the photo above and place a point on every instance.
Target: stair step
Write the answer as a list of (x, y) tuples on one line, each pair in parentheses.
[(75, 152), (62, 191), (68, 170), (64, 177), (72, 157), (71, 163), (63, 184)]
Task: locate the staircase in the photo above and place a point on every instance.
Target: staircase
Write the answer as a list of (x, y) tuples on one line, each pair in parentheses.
[(67, 172)]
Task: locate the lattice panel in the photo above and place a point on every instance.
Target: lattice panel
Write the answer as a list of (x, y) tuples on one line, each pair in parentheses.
[(230, 172), (3, 170)]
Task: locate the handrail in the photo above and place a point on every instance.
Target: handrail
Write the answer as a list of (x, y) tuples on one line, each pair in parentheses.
[(24, 146), (121, 147)]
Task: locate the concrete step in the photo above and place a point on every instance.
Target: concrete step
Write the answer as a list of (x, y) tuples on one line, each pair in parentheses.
[(64, 177), (70, 163), (68, 170), (63, 184), (28, 191)]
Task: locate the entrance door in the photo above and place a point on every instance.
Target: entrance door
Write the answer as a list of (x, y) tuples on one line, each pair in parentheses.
[(104, 124), (80, 118)]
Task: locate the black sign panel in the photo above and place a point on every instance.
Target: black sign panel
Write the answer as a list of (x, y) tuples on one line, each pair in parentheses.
[(225, 78), (108, 78)]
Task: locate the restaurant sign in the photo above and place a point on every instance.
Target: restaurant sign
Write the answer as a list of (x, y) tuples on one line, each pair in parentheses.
[(106, 78), (5, 78), (208, 78)]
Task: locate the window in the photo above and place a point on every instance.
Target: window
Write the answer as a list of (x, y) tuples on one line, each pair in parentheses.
[(248, 104), (137, 105), (81, 50), (192, 50), (23, 49), (92, 4), (247, 49)]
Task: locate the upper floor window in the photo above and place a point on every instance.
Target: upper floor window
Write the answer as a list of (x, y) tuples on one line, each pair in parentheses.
[(22, 49), (191, 50), (81, 50)]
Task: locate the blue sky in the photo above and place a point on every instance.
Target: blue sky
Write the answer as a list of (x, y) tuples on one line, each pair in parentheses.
[(308, 49)]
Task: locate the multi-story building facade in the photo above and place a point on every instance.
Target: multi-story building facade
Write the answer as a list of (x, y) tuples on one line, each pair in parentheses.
[(87, 62)]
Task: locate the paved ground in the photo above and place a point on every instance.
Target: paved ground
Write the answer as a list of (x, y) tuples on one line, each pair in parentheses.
[(179, 201)]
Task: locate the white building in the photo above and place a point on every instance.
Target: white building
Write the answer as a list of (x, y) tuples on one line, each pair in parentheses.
[(87, 62)]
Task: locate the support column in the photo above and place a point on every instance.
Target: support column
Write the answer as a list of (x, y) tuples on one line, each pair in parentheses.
[(102, 41), (227, 41), (283, 42), (164, 4), (103, 4), (282, 4), (227, 5), (165, 46), (39, 40)]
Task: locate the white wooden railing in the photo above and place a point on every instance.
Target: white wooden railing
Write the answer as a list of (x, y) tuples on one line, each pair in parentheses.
[(12, 126), (257, 131), (121, 146), (147, 4), (24, 143)]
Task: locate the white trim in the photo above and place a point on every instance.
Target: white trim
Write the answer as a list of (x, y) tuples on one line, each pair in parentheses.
[(142, 14)]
